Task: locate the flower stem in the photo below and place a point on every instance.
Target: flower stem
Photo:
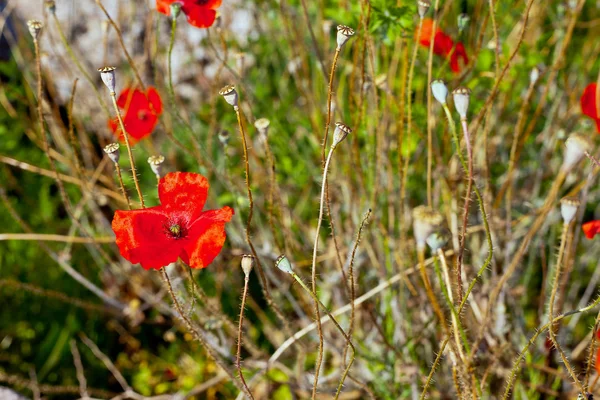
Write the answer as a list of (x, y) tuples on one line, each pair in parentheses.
[(197, 334), (319, 360), (488, 234), (329, 99), (516, 366), (128, 145), (337, 325), (551, 328), (170, 60), (120, 176), (238, 358)]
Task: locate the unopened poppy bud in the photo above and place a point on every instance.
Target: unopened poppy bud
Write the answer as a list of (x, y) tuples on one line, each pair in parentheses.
[(461, 97), (35, 28), (112, 151), (50, 6), (230, 95), (422, 7), (463, 22), (437, 240), (224, 137), (341, 131), (425, 221), (247, 263), (534, 75), (344, 33), (439, 90), (175, 9), (576, 146), (156, 163), (262, 125), (284, 264), (108, 77), (568, 208)]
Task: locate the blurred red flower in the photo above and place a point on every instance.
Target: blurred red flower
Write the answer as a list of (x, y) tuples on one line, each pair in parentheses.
[(140, 113), (200, 13), (589, 106), (443, 45), (178, 228), (591, 229)]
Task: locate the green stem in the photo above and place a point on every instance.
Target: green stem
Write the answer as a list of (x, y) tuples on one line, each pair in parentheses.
[(316, 300)]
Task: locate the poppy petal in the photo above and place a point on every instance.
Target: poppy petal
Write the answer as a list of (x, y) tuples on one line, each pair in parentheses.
[(164, 6), (426, 32), (588, 101), (155, 101), (597, 125), (141, 238), (184, 191), (591, 229), (199, 16), (459, 53), (209, 230)]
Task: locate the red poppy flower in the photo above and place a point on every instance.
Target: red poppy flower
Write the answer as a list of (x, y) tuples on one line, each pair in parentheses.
[(591, 229), (589, 106), (200, 13), (178, 228), (443, 45), (140, 113)]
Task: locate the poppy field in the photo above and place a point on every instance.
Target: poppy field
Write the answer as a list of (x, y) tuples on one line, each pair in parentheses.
[(368, 199)]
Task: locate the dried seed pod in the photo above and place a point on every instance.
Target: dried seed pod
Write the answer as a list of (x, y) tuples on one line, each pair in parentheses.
[(344, 33), (341, 131), (568, 208), (461, 96), (284, 264), (422, 7), (439, 90), (577, 144), (156, 163), (425, 221), (230, 95), (108, 77), (35, 28), (247, 264), (112, 151), (262, 125)]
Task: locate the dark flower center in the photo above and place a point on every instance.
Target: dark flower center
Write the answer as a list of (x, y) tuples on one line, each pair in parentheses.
[(175, 230), (143, 114), (201, 2)]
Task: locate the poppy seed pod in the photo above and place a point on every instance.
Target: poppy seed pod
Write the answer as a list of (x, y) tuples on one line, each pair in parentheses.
[(262, 125), (247, 264), (50, 6), (534, 75), (175, 9), (224, 137), (461, 97), (576, 145), (568, 208), (344, 33), (437, 240), (422, 7), (284, 264), (230, 95), (35, 28), (425, 221), (463, 21), (112, 151), (156, 163), (341, 131), (439, 90), (108, 77)]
